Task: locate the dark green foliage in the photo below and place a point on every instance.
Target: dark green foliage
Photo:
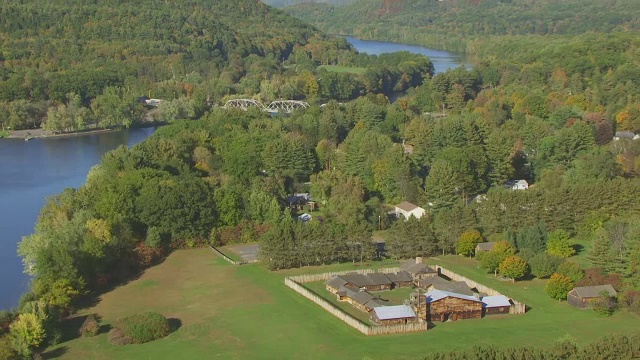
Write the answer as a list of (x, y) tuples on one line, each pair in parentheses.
[(543, 265), (142, 328), (571, 270)]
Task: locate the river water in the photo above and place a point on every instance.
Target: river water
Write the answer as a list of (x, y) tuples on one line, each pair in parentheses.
[(31, 171), (442, 60)]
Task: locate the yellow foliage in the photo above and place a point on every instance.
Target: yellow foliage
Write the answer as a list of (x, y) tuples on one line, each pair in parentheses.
[(100, 229)]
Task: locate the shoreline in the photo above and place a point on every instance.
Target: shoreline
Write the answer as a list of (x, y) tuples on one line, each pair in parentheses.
[(44, 134)]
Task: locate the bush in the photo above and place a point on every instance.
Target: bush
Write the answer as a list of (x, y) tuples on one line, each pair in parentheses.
[(6, 350), (90, 327), (142, 328), (117, 337)]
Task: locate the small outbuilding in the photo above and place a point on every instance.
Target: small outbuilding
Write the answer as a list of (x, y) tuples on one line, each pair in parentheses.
[(495, 305), (335, 284), (393, 315), (438, 283), (583, 297), (484, 247), (408, 209)]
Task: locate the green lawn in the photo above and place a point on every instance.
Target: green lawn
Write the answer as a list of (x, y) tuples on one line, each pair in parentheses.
[(343, 69), (246, 312)]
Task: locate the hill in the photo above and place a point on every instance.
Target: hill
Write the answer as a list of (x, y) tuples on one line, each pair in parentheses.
[(451, 24)]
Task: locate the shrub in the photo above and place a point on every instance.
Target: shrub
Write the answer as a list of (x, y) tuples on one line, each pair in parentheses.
[(142, 328), (559, 286), (90, 327), (514, 267), (117, 337), (571, 270), (6, 350)]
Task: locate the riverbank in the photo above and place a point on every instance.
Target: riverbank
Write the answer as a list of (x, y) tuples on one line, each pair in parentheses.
[(41, 133)]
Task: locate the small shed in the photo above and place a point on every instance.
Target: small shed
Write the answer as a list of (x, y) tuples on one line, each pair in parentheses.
[(484, 247), (582, 297), (495, 305), (408, 209), (393, 315), (438, 283)]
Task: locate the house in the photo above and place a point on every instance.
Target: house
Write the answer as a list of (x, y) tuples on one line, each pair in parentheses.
[(361, 299), (417, 269), (582, 297), (335, 284), (440, 305), (484, 247), (408, 209), (367, 282), (345, 293), (517, 184), (625, 135), (401, 279), (495, 305), (438, 283), (393, 315)]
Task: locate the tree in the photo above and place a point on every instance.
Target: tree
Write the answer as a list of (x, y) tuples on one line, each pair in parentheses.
[(543, 265), (571, 270), (442, 185), (467, 242), (491, 260), (513, 267), (559, 286), (559, 244), (27, 333)]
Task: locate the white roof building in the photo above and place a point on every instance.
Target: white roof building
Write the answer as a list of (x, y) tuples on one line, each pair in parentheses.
[(495, 301), (394, 312)]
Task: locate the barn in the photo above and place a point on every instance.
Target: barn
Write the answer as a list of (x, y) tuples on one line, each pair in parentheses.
[(582, 297), (335, 284), (445, 305), (495, 305), (393, 315), (369, 282)]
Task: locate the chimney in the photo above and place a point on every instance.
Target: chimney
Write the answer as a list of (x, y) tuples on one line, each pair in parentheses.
[(418, 260)]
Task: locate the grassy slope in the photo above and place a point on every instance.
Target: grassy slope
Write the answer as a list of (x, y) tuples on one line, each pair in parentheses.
[(246, 312)]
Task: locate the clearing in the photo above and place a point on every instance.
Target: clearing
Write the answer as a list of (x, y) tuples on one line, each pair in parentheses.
[(246, 312)]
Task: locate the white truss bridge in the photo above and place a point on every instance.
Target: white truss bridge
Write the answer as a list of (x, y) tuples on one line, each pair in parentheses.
[(278, 106)]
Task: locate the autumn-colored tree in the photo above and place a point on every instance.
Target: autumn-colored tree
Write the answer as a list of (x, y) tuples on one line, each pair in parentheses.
[(559, 286), (513, 267), (559, 244), (491, 260), (467, 242)]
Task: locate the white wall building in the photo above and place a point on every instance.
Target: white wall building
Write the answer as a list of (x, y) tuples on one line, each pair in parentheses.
[(407, 209)]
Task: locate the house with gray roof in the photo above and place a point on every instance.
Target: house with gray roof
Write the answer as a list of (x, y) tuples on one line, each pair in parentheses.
[(417, 269), (495, 305), (583, 297), (408, 210), (484, 247), (438, 283)]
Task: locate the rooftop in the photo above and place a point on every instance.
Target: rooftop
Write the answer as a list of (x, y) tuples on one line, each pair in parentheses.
[(496, 301), (394, 312), (436, 295), (407, 206), (594, 291)]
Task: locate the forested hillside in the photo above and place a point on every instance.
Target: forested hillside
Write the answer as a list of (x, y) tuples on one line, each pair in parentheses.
[(283, 3), (451, 24)]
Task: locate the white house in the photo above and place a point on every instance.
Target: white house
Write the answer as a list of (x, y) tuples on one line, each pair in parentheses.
[(407, 209), (517, 184)]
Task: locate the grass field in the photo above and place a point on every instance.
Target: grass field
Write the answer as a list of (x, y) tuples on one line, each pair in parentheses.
[(343, 69), (246, 312)]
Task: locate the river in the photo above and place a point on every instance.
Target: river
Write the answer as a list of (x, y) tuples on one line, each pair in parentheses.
[(31, 171), (442, 60)]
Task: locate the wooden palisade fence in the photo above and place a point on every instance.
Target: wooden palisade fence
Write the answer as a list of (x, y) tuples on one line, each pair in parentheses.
[(294, 282), (348, 319), (219, 253)]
